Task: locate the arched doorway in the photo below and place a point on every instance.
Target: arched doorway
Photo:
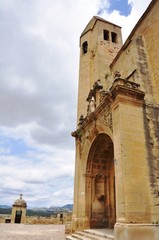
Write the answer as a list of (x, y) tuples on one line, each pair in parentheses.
[(100, 183), (18, 216)]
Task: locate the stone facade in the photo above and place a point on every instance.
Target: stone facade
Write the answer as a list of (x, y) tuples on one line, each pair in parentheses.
[(117, 136)]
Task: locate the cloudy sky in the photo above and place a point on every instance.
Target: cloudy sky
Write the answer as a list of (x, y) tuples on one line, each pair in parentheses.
[(39, 59)]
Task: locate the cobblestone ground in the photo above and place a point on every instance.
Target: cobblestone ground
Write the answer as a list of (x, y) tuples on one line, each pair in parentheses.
[(31, 232)]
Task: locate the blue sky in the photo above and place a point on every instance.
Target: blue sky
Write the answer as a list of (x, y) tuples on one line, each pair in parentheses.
[(15, 147), (39, 64), (120, 5)]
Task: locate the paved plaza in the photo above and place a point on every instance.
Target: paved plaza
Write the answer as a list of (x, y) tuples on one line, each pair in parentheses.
[(31, 232)]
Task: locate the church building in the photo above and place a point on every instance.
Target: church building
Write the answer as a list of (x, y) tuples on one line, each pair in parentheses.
[(117, 135)]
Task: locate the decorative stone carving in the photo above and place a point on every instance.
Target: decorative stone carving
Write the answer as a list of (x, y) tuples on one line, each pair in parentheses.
[(81, 119), (103, 93), (77, 134), (117, 74), (93, 96), (92, 105), (97, 85), (107, 120), (126, 83)]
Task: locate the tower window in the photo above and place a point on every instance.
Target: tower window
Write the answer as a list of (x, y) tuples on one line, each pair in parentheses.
[(106, 35), (85, 47), (114, 37)]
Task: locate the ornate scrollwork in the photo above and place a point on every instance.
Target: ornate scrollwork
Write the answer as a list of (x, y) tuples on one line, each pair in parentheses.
[(107, 120), (126, 83)]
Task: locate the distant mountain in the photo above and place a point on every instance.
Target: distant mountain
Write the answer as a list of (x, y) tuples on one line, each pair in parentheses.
[(42, 209), (68, 207), (54, 209), (5, 206)]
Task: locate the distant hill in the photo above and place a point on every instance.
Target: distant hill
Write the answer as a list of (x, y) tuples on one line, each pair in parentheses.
[(5, 206), (40, 213), (6, 210), (54, 209), (43, 211), (68, 207)]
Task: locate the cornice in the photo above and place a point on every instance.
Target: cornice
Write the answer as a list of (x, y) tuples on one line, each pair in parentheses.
[(122, 90)]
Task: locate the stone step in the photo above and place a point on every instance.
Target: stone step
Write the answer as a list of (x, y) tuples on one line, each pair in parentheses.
[(91, 234)]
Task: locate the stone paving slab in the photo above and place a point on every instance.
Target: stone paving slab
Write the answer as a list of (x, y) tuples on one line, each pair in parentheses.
[(10, 231)]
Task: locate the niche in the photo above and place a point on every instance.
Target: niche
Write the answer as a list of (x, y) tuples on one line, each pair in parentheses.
[(100, 187)]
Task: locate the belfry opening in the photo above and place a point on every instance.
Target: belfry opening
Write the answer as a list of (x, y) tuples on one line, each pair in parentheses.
[(100, 183)]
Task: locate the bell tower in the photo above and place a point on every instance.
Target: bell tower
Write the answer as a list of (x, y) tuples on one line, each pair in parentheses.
[(99, 44)]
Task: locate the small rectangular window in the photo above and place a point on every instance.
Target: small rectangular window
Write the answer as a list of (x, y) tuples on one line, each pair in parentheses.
[(114, 37), (106, 35), (85, 47)]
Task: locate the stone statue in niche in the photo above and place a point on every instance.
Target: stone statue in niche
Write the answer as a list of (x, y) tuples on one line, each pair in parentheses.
[(100, 187), (117, 74), (91, 105)]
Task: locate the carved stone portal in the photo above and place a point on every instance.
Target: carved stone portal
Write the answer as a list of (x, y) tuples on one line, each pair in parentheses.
[(101, 193)]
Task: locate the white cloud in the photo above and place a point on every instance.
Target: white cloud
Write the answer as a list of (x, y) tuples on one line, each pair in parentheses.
[(39, 63)]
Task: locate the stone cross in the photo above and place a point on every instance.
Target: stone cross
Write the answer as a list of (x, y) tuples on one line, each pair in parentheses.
[(21, 196)]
